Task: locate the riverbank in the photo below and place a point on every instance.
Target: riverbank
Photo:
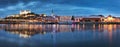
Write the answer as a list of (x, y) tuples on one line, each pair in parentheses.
[(60, 23)]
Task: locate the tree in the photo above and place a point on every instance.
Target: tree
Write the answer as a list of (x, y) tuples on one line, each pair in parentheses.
[(73, 18)]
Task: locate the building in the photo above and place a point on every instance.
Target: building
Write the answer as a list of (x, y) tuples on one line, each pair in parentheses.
[(43, 15), (50, 19), (25, 11), (92, 18), (65, 18), (112, 19), (78, 19)]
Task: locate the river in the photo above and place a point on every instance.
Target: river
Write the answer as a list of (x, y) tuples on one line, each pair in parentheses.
[(54, 35)]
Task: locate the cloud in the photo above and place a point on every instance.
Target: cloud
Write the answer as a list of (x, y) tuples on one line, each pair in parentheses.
[(72, 10), (18, 6), (14, 9), (61, 7)]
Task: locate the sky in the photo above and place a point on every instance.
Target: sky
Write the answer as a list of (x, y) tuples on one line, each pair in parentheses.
[(61, 7)]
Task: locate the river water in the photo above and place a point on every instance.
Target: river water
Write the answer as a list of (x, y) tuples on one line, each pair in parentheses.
[(37, 35)]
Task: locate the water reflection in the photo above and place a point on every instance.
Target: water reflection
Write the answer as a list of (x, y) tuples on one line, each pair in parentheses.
[(63, 33), (28, 30)]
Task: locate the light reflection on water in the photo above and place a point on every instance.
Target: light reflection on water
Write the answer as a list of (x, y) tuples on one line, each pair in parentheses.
[(90, 35)]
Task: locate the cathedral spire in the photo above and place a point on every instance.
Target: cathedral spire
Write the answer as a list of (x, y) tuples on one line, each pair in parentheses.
[(52, 12)]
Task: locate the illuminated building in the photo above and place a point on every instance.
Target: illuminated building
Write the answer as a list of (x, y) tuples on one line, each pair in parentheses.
[(50, 19), (29, 17), (109, 19), (112, 19), (25, 11), (43, 15), (65, 18), (78, 19), (92, 18)]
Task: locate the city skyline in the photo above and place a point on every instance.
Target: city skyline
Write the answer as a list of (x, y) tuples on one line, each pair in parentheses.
[(61, 7)]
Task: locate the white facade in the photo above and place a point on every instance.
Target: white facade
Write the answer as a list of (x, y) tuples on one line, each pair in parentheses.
[(25, 11), (65, 18)]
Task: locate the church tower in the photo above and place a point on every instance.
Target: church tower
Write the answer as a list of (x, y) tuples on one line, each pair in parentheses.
[(52, 13)]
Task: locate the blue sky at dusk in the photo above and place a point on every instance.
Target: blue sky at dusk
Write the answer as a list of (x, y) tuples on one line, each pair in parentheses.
[(61, 7)]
